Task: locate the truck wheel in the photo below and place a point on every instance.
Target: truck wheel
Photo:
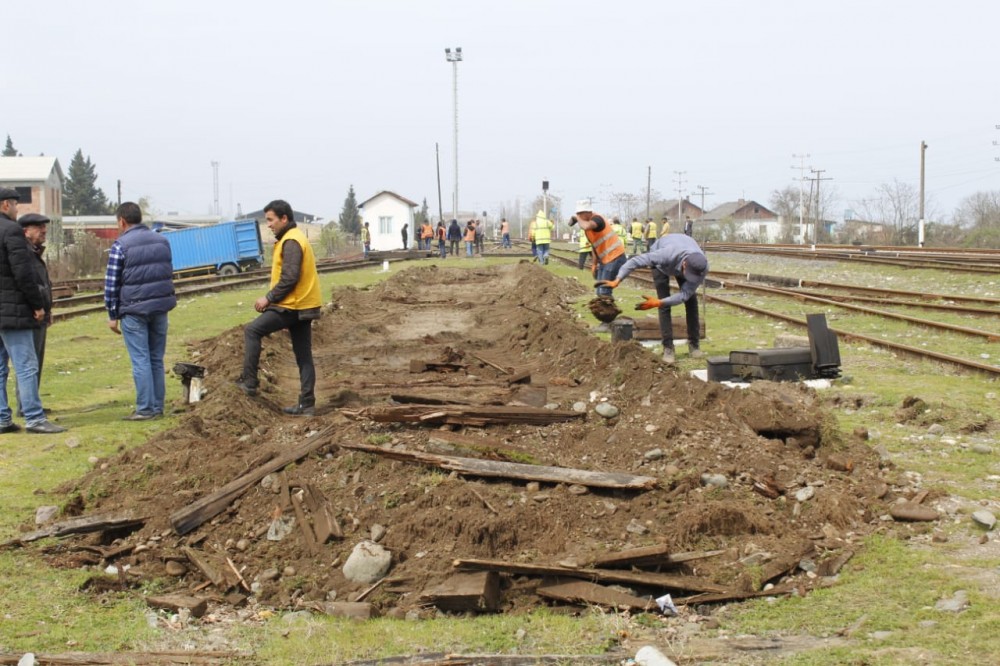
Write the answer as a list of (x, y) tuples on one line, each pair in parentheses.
[(229, 270)]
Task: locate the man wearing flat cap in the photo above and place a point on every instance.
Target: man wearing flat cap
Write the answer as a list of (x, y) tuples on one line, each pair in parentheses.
[(680, 257), (35, 231), (22, 309)]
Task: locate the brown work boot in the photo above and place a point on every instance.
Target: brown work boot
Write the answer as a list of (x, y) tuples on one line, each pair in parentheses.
[(668, 356), (696, 353)]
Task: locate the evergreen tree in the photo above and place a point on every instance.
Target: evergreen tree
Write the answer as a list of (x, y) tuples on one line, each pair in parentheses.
[(9, 150), (350, 220), (422, 214), (81, 196)]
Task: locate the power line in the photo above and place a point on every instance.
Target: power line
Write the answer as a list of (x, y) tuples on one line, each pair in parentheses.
[(680, 191), (802, 177)]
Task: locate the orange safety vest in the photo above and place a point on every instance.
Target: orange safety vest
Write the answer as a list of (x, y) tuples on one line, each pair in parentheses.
[(441, 233), (607, 245), (426, 231), (470, 234)]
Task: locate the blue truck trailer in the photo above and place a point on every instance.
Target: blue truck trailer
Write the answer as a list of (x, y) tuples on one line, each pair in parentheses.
[(226, 248)]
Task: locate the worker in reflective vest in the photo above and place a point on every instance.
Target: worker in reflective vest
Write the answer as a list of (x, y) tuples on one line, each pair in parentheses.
[(584, 251), (426, 235), (636, 233), (650, 233), (542, 229), (665, 226), (607, 249)]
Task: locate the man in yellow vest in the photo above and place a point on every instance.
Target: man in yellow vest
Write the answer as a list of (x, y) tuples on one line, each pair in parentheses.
[(649, 233), (292, 302), (619, 228), (664, 225), (542, 230), (584, 251), (636, 233)]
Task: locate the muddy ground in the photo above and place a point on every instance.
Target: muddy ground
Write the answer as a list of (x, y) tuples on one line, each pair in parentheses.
[(518, 317)]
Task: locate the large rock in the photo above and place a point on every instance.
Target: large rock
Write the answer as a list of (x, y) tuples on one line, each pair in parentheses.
[(368, 563), (985, 518)]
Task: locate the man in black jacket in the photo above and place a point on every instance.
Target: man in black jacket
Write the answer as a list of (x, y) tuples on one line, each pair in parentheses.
[(22, 308), (35, 231)]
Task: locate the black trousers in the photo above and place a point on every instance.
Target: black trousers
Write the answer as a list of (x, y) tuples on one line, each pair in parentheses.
[(300, 331), (662, 282)]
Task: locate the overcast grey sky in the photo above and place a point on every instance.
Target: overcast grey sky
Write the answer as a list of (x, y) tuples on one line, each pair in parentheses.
[(299, 100)]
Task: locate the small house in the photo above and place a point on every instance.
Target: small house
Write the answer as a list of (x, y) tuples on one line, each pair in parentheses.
[(386, 213), (39, 181)]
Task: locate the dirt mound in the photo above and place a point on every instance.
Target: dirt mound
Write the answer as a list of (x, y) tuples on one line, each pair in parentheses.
[(727, 463)]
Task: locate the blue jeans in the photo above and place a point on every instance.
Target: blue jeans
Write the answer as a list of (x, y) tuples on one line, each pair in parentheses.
[(468, 248), (543, 253), (18, 347), (506, 241), (146, 340), (442, 250), (609, 271)]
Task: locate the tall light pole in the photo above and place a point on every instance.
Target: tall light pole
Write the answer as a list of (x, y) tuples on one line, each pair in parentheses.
[(215, 185), (455, 57)]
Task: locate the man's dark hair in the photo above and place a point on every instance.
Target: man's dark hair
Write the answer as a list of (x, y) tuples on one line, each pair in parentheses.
[(130, 212), (280, 208)]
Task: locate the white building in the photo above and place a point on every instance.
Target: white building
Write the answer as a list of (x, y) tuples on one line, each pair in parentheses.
[(386, 213), (39, 181)]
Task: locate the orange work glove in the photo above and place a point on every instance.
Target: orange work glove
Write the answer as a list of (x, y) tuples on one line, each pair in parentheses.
[(610, 284), (649, 304)]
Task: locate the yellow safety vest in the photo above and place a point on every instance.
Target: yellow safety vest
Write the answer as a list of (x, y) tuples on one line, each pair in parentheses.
[(619, 229), (306, 294), (584, 242), (636, 229), (666, 229), (651, 233), (543, 230)]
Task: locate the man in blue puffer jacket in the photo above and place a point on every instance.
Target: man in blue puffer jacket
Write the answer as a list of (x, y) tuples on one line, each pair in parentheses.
[(138, 294)]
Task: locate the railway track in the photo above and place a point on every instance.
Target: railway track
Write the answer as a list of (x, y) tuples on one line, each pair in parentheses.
[(990, 335), (985, 262), (65, 308)]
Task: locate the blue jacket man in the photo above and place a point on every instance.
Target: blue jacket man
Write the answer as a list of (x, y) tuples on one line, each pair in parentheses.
[(680, 257), (138, 294), (22, 309)]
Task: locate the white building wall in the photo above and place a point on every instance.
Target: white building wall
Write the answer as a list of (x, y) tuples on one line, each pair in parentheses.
[(398, 212)]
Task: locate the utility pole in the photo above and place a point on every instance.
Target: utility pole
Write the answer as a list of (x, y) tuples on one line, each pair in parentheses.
[(802, 177), (649, 187), (819, 178), (920, 227), (215, 185), (119, 191), (703, 191), (455, 57), (437, 160), (680, 191)]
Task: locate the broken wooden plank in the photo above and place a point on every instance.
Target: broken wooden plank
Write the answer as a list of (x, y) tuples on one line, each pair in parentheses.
[(175, 602), (325, 523), (785, 563), (308, 536), (207, 570), (648, 555), (471, 415), (188, 518), (654, 580), (478, 591), (733, 595), (81, 525), (833, 565), (584, 592), (417, 366), (529, 395), (509, 470), (521, 377)]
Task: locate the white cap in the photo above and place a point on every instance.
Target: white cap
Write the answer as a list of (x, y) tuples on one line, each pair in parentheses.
[(584, 206)]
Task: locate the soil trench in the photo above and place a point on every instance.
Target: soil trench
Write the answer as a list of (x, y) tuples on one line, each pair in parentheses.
[(454, 337)]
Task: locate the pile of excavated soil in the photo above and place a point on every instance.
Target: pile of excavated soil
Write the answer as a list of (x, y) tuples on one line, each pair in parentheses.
[(707, 446)]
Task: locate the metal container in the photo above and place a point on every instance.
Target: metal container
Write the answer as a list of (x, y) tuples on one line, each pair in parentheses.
[(621, 330)]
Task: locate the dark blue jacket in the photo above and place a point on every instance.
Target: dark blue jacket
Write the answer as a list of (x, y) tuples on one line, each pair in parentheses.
[(20, 295), (147, 285)]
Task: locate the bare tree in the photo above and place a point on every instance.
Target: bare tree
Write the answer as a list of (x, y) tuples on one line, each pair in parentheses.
[(895, 205), (785, 202), (627, 205), (978, 216)]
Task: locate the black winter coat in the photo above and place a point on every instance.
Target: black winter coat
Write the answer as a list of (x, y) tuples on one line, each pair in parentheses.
[(20, 294)]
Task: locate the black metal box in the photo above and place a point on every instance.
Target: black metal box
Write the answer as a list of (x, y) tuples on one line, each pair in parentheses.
[(719, 369), (779, 365)]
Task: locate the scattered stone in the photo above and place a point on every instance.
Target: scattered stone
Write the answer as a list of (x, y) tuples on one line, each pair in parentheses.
[(804, 494), (269, 482), (520, 635), (178, 602), (175, 568), (295, 616), (935, 429), (985, 518), (861, 433), (653, 454), (269, 574), (288, 572), (533, 486), (549, 406), (956, 604), (635, 527), (367, 563), (242, 545), (650, 428), (580, 406), (73, 442), (840, 463), (541, 497), (351, 609), (378, 532), (577, 489), (883, 454), (44, 514), (807, 565), (671, 470), (982, 448), (93, 460), (715, 480), (607, 410)]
